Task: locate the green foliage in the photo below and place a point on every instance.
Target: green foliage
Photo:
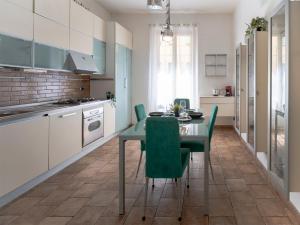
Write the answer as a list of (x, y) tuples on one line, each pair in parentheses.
[(257, 24), (176, 107)]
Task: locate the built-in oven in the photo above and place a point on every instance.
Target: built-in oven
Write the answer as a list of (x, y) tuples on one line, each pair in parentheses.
[(93, 125)]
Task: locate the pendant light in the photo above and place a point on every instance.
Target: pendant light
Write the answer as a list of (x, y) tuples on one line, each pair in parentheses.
[(154, 4), (167, 32)]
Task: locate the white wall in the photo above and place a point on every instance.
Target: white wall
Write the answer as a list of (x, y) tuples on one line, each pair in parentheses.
[(215, 36), (245, 11)]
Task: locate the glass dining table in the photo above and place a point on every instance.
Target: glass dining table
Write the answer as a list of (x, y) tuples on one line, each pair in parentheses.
[(189, 131)]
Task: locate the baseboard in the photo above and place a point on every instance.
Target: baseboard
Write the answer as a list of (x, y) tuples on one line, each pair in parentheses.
[(9, 197)]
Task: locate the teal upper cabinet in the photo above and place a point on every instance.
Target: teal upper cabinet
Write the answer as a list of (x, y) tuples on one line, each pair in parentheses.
[(100, 55), (16, 29), (50, 49), (56, 10), (15, 52), (48, 57), (99, 44)]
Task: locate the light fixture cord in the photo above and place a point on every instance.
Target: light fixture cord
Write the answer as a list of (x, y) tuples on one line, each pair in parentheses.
[(168, 22)]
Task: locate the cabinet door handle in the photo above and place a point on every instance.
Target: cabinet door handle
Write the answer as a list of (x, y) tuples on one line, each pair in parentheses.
[(125, 82), (68, 115)]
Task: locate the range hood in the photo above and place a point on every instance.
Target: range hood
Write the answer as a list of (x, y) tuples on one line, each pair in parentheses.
[(81, 63)]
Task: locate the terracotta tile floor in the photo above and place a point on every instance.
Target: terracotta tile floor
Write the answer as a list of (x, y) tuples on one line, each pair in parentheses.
[(86, 193)]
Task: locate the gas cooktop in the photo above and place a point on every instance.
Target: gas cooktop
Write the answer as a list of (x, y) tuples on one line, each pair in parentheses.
[(74, 101)]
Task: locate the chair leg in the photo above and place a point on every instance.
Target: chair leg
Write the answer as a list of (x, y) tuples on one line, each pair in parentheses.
[(138, 169), (211, 169), (180, 200), (152, 182), (146, 196), (191, 156)]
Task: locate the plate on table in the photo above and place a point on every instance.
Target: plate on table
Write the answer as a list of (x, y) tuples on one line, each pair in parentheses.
[(156, 114), (196, 115), (190, 110), (184, 119)]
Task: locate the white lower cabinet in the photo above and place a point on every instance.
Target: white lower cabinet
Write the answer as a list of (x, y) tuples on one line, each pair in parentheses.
[(109, 119), (23, 152), (65, 139)]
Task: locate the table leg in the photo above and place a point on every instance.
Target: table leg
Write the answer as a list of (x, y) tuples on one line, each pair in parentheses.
[(121, 176), (206, 179)]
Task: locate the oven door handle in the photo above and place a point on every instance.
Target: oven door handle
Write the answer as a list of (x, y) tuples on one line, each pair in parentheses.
[(68, 115)]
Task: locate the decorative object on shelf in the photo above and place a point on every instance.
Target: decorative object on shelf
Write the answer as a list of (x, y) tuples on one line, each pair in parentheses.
[(216, 65), (154, 4), (257, 24), (228, 91)]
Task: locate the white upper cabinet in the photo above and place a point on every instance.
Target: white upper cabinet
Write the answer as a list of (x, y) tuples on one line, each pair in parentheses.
[(16, 21), (99, 29), (123, 36), (57, 10), (81, 43), (26, 4), (45, 32), (81, 19)]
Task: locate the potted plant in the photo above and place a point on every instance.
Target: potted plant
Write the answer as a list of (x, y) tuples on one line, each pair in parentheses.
[(257, 24), (176, 108)]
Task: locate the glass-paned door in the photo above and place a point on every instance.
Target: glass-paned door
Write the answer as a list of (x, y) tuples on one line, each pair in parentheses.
[(279, 154), (251, 92), (238, 90)]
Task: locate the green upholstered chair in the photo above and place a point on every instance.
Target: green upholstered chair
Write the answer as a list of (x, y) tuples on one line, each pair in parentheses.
[(140, 115), (198, 146), (164, 157), (187, 102)]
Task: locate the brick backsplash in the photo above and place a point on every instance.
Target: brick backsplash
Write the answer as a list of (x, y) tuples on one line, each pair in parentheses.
[(19, 87)]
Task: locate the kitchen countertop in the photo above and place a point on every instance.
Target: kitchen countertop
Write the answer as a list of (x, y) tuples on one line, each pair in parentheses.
[(40, 110)]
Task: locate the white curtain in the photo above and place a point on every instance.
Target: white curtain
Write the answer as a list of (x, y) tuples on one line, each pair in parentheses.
[(173, 67)]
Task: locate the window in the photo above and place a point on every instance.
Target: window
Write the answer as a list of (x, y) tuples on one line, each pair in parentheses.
[(173, 68)]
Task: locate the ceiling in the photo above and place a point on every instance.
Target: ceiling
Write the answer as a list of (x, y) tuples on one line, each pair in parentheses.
[(177, 6)]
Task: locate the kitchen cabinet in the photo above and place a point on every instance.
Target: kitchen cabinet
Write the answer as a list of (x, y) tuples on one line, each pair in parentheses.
[(284, 107), (23, 152), (241, 88), (81, 19), (109, 119), (81, 43), (123, 90), (257, 92), (65, 136), (16, 21), (119, 68), (225, 104), (99, 29), (15, 52), (26, 4), (99, 55), (56, 10), (46, 32)]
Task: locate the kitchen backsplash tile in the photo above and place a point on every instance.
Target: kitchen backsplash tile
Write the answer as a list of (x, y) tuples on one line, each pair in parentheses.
[(19, 87)]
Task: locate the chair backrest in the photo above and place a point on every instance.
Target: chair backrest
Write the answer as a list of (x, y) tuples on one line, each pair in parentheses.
[(212, 120), (187, 102), (140, 112), (163, 156)]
